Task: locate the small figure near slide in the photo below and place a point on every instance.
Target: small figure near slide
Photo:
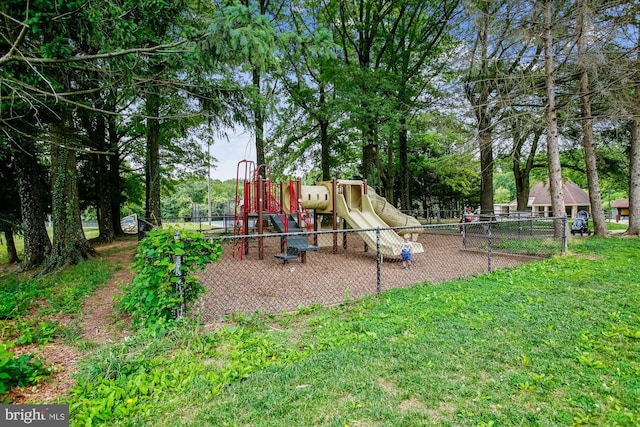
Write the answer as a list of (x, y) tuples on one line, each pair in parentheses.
[(406, 250)]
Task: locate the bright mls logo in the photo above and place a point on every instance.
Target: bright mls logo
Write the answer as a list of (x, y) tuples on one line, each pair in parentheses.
[(34, 415)]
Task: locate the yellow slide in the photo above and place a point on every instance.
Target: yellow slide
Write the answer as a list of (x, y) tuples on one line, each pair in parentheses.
[(360, 210), (365, 217), (390, 214)]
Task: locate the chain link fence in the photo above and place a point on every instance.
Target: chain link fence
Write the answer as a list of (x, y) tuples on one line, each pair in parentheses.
[(283, 272)]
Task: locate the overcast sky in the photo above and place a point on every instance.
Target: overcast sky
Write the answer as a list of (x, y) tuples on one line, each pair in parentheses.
[(239, 146)]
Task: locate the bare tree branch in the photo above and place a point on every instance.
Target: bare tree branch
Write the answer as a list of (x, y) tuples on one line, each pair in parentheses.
[(17, 41), (162, 48)]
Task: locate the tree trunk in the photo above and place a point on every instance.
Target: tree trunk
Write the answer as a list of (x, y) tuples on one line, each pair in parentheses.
[(634, 164), (522, 190), (390, 177), (258, 119), (325, 144), (103, 202), (405, 198), (115, 191), (478, 94), (259, 102), (115, 181), (486, 166), (153, 160), (37, 245), (325, 153), (382, 178), (368, 156), (588, 145), (521, 174), (70, 245), (12, 253), (551, 119), (96, 129), (634, 177)]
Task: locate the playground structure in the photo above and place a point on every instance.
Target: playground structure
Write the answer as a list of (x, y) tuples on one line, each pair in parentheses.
[(287, 206)]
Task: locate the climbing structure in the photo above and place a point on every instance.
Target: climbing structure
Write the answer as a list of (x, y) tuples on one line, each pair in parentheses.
[(286, 206), (259, 201)]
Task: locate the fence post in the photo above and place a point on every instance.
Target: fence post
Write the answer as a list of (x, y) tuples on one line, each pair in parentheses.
[(565, 234), (531, 220), (464, 234), (179, 290), (378, 260), (489, 247)]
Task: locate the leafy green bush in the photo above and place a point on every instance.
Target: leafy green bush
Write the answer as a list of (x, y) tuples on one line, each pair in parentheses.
[(156, 294), (16, 296), (22, 370)]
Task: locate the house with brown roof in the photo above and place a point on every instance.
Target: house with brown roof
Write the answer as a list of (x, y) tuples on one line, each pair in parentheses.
[(622, 208), (575, 200)]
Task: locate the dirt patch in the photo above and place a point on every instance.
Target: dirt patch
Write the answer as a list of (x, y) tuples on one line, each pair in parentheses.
[(388, 386), (411, 404), (7, 268), (445, 411), (100, 320)]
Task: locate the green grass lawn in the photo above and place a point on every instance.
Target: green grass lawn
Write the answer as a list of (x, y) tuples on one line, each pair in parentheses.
[(611, 225), (551, 343)]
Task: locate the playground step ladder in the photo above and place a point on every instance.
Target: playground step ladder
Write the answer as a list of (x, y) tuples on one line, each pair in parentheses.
[(286, 257), (278, 223), (296, 245), (294, 252)]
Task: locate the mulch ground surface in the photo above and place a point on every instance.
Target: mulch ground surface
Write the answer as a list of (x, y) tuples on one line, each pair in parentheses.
[(326, 277)]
